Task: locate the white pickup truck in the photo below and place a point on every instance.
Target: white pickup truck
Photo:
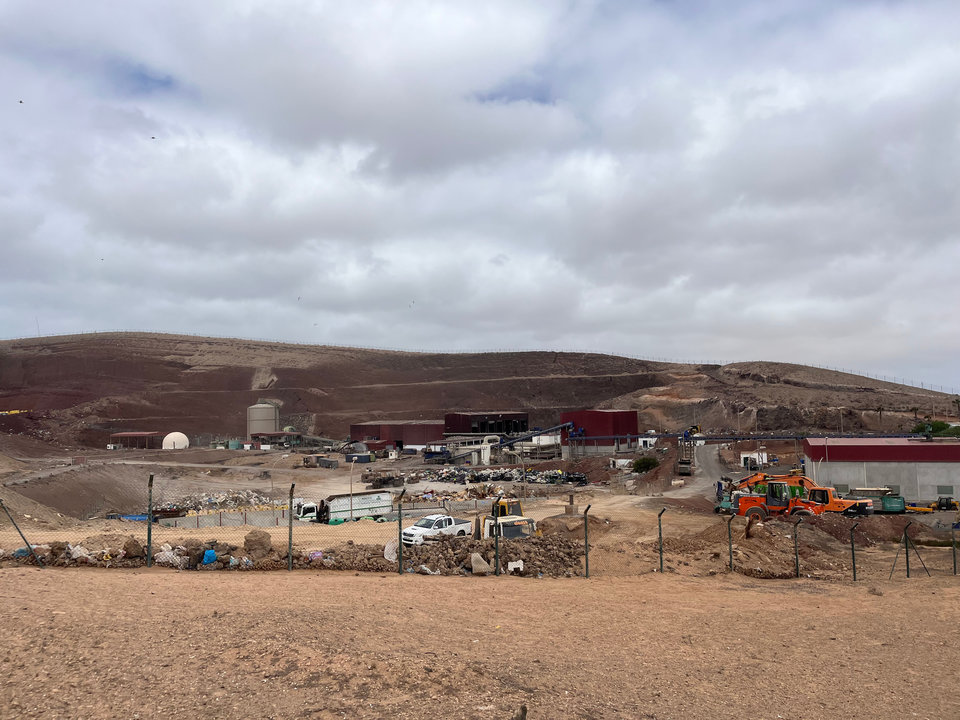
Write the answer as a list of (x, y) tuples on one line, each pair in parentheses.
[(434, 525)]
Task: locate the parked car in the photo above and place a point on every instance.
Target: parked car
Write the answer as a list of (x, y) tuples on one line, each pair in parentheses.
[(435, 525)]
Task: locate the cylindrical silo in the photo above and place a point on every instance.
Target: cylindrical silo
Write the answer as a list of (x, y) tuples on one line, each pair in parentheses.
[(263, 417)]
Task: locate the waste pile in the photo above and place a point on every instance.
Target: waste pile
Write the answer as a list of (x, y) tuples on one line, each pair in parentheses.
[(232, 500), (552, 556), (492, 476)]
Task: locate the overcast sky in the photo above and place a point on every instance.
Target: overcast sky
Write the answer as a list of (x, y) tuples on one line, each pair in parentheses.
[(713, 181)]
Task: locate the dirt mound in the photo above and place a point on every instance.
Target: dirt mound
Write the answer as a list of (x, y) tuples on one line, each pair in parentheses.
[(32, 513), (551, 555), (597, 469), (768, 553), (571, 526)]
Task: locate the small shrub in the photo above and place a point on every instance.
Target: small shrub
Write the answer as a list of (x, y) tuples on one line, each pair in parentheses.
[(642, 465)]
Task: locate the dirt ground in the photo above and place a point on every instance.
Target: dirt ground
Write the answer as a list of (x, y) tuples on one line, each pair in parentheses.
[(151, 644)]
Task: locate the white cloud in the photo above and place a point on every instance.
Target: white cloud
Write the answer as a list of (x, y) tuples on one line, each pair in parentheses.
[(697, 180)]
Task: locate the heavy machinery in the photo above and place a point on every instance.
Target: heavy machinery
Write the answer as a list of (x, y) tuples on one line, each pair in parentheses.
[(507, 519), (776, 500), (884, 500), (800, 485), (942, 504)]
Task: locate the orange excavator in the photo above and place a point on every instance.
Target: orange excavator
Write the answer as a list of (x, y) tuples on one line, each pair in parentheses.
[(774, 500), (801, 485)]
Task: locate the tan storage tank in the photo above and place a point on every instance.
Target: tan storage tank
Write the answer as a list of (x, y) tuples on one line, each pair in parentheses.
[(263, 417)]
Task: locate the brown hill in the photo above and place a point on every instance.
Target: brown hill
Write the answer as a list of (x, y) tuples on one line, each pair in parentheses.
[(82, 387)]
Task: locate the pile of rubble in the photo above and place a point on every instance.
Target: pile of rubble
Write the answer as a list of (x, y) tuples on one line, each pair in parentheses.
[(553, 556), (232, 500), (464, 475)]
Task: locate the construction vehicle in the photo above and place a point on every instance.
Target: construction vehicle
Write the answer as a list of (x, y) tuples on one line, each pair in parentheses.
[(942, 504), (800, 485), (776, 500), (884, 501), (506, 518)]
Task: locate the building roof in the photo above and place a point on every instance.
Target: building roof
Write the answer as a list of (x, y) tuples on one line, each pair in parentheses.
[(134, 434), (881, 450), (379, 423), (488, 413)]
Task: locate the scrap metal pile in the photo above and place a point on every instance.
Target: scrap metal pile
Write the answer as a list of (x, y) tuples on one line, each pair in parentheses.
[(465, 475), (232, 500)]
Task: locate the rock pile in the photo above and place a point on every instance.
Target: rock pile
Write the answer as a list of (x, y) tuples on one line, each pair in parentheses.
[(553, 555)]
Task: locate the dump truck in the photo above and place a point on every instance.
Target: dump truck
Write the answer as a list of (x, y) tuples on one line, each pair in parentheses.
[(884, 500), (336, 509)]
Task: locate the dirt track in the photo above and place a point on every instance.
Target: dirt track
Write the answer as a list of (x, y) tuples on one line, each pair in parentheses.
[(123, 644)]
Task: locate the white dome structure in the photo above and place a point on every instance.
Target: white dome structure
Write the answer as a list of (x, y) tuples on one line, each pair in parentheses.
[(176, 441)]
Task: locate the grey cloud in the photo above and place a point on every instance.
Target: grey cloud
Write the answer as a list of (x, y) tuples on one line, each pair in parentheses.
[(771, 180)]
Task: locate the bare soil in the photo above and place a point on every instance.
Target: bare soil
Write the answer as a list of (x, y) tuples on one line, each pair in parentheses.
[(157, 644)]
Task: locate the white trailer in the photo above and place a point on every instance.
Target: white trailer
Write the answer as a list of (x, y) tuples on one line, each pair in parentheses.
[(340, 508)]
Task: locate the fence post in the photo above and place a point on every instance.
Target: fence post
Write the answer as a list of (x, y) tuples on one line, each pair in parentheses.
[(853, 551), (26, 542), (290, 532), (660, 535), (496, 536), (730, 539), (796, 544), (400, 532), (586, 541), (906, 546), (150, 522)]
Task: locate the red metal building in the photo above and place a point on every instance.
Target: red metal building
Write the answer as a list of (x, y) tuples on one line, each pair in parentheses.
[(601, 423), (489, 422), (399, 433), (901, 450)]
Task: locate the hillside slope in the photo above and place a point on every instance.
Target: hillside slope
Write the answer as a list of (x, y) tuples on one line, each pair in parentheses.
[(84, 386)]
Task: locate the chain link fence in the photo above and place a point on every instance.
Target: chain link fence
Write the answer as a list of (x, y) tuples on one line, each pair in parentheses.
[(244, 529)]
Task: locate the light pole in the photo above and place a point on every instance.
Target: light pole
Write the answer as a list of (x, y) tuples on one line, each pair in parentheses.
[(352, 463), (841, 409), (523, 469)]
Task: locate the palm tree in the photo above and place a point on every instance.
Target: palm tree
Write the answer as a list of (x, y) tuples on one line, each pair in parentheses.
[(956, 401), (880, 412)]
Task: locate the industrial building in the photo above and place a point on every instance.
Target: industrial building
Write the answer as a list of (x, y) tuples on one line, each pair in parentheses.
[(139, 440), (399, 434), (919, 470), (599, 432), (282, 438), (486, 423)]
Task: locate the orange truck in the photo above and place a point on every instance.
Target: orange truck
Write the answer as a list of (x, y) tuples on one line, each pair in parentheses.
[(825, 496)]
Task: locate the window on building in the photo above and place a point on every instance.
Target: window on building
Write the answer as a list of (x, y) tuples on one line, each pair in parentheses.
[(841, 488), (945, 490)]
